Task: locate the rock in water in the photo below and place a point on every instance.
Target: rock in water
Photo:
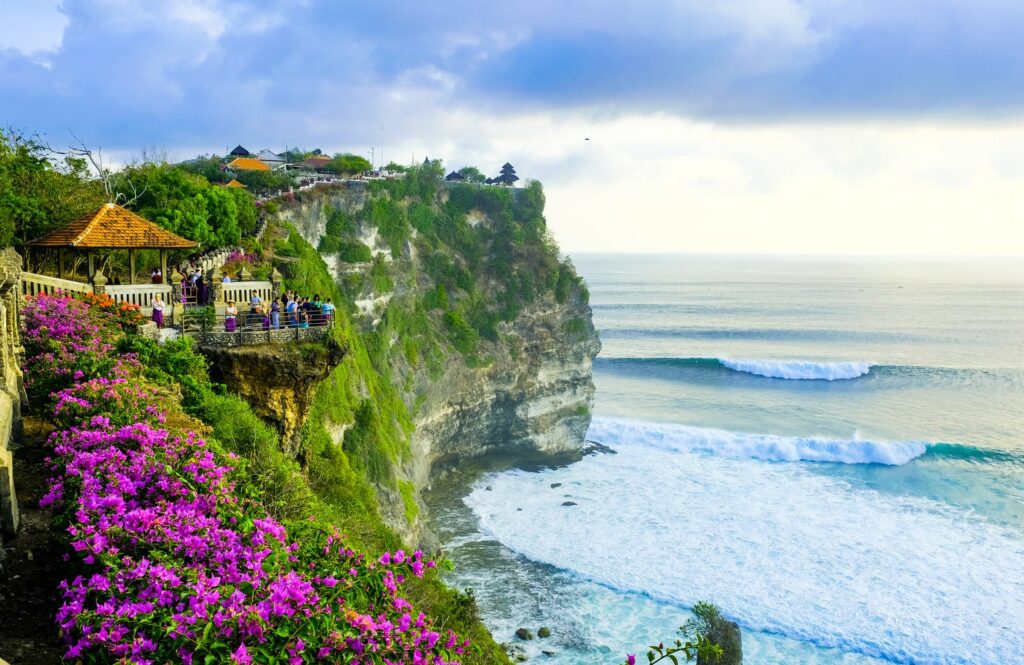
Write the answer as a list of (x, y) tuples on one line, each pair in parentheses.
[(568, 503), (726, 634), (524, 634), (516, 653), (554, 485), (544, 632)]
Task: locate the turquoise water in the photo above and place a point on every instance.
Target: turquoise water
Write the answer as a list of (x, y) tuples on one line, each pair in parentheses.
[(830, 450)]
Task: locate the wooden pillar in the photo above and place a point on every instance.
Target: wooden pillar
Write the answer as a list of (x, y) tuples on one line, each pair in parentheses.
[(163, 266), (92, 265), (131, 266), (60, 263)]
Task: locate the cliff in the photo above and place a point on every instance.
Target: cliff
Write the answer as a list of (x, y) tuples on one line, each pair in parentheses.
[(464, 308)]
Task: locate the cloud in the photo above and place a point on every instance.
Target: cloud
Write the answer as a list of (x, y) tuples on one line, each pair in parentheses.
[(759, 124), (193, 72)]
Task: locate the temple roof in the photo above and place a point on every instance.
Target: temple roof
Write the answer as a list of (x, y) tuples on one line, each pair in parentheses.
[(248, 164), (239, 151), (113, 227), (235, 183)]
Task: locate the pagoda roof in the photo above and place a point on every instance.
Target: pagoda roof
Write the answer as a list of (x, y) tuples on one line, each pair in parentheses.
[(248, 164), (454, 175), (113, 227), (239, 151), (235, 183)]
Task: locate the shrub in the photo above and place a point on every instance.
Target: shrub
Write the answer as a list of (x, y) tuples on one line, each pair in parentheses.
[(177, 557)]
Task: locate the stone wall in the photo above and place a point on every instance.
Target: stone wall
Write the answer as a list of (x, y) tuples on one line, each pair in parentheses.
[(12, 390), (218, 339)]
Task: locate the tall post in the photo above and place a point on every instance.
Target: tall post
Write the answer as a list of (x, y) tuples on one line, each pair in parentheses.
[(216, 286), (131, 266), (276, 279), (60, 263), (163, 266), (99, 283), (92, 265)]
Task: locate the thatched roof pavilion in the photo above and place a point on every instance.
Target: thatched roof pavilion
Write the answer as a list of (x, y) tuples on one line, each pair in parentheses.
[(109, 228)]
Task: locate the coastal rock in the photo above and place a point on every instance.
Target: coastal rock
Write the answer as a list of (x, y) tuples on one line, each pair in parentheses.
[(524, 634), (278, 381), (569, 503), (554, 485), (727, 635), (544, 632)]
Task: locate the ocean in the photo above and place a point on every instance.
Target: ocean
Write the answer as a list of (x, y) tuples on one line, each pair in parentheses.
[(829, 449)]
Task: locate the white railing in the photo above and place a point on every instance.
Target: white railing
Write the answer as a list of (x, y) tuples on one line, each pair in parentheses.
[(241, 292), (33, 284), (139, 294)]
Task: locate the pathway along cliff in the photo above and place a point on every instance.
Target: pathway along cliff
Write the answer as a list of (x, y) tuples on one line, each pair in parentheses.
[(467, 337)]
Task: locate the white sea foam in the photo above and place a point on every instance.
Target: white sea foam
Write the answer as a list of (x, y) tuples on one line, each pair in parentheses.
[(799, 369), (770, 447), (782, 548)]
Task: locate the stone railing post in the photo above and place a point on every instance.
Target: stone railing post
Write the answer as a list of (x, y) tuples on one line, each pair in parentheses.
[(175, 287), (276, 279), (216, 285), (99, 282), (244, 275)]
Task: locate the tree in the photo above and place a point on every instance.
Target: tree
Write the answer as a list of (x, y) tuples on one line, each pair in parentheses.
[(187, 204), (348, 164), (41, 190), (395, 167), (472, 174)]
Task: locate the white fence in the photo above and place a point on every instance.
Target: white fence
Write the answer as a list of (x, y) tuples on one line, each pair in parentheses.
[(33, 284), (139, 294), (241, 292)]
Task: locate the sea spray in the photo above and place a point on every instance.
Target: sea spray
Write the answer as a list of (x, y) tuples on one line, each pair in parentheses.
[(799, 369), (779, 547), (683, 438)]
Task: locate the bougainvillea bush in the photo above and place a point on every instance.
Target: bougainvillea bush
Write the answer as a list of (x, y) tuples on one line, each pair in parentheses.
[(177, 561), (70, 339)]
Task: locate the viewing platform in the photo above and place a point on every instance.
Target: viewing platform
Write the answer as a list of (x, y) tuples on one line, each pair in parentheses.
[(197, 308)]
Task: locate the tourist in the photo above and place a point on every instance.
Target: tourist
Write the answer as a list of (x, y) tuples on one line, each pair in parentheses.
[(204, 290), (290, 311), (226, 279), (266, 317), (156, 276), (328, 312), (305, 320), (275, 314), (230, 314), (255, 306), (316, 311), (158, 311)]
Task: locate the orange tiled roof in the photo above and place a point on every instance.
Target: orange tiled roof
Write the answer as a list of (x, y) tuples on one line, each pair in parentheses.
[(248, 164), (235, 183), (113, 227)]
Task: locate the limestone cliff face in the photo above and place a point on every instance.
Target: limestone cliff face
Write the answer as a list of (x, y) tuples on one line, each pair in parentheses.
[(534, 397), (527, 394)]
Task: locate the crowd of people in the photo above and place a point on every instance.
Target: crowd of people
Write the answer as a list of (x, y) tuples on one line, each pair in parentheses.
[(290, 310), (287, 311)]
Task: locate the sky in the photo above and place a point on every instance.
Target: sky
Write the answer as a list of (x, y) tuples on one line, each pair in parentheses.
[(890, 127)]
